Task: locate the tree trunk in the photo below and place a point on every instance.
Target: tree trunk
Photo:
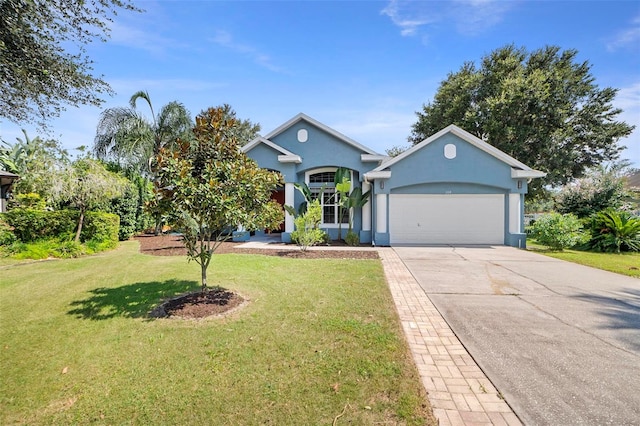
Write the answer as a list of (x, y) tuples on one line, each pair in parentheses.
[(158, 228), (80, 222), (203, 268)]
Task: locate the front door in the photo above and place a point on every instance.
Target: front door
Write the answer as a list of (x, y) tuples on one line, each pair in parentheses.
[(279, 197)]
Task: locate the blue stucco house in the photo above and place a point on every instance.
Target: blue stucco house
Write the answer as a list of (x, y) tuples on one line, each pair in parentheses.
[(452, 188)]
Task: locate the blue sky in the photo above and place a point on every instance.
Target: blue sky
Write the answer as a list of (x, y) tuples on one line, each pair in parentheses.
[(361, 67)]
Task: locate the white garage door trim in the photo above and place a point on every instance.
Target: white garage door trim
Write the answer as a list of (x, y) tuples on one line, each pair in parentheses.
[(446, 219)]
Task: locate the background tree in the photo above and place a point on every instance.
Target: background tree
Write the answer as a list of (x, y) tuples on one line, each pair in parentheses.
[(541, 107), (214, 187), (127, 137), (38, 73), (132, 141), (36, 161), (130, 206), (244, 130), (396, 150), (84, 185)]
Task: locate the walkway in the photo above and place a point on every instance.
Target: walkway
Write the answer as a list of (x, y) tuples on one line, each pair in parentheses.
[(459, 391)]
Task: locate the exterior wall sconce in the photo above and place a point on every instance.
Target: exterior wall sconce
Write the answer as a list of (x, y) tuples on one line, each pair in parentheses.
[(381, 184), (519, 184)]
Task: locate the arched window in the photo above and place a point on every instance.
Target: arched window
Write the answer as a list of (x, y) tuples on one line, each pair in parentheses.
[(322, 186)]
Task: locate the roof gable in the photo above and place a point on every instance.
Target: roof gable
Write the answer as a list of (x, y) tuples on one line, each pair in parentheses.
[(285, 156), (257, 141), (522, 170), (339, 136)]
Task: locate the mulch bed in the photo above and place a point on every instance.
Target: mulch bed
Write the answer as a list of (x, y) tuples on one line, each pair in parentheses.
[(217, 301), (211, 302), (172, 245)]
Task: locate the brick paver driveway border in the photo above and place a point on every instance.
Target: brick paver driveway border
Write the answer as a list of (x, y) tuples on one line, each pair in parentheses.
[(458, 390)]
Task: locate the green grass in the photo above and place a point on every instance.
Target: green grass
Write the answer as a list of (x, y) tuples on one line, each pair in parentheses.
[(623, 263), (317, 338)]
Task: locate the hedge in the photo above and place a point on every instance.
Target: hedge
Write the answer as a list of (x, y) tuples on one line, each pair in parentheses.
[(32, 225)]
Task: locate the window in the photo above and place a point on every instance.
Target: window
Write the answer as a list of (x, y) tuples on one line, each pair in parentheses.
[(322, 177), (323, 188)]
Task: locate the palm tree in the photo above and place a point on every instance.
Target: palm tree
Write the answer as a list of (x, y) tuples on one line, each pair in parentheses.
[(129, 138)]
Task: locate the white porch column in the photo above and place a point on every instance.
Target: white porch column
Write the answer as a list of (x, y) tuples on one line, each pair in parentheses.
[(381, 213), (515, 227), (289, 195), (366, 209)]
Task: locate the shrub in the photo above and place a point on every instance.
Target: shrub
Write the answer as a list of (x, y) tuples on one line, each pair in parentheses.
[(558, 231), (7, 236), (30, 200), (31, 225), (599, 189), (352, 238), (34, 225), (614, 231), (126, 207), (307, 232), (102, 229), (46, 248)]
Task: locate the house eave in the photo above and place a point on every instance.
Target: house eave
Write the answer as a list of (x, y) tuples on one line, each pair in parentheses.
[(260, 140), (290, 159), (527, 174), (373, 158), (373, 175)]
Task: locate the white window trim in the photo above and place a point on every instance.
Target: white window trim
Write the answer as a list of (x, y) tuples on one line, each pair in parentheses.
[(308, 173)]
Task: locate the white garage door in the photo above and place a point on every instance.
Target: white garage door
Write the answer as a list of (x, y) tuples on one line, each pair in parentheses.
[(446, 219)]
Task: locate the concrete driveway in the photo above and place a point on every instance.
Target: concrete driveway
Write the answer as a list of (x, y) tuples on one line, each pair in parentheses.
[(560, 341)]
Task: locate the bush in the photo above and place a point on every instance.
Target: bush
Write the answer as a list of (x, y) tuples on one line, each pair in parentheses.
[(102, 229), (558, 231), (352, 239), (126, 207), (614, 231), (7, 236), (29, 200), (32, 225), (600, 189), (46, 248), (307, 232), (130, 207), (35, 225)]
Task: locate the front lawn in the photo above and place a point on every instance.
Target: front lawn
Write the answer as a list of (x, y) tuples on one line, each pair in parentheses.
[(318, 343), (623, 263)]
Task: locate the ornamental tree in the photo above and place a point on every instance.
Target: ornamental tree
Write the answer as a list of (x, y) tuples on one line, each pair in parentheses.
[(213, 187), (85, 185)]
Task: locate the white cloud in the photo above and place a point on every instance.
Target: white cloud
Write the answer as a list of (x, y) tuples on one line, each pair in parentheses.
[(629, 36), (225, 39), (469, 17), (409, 18), (473, 17), (138, 38)]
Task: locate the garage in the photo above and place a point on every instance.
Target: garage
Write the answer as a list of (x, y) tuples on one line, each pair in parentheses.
[(446, 219)]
